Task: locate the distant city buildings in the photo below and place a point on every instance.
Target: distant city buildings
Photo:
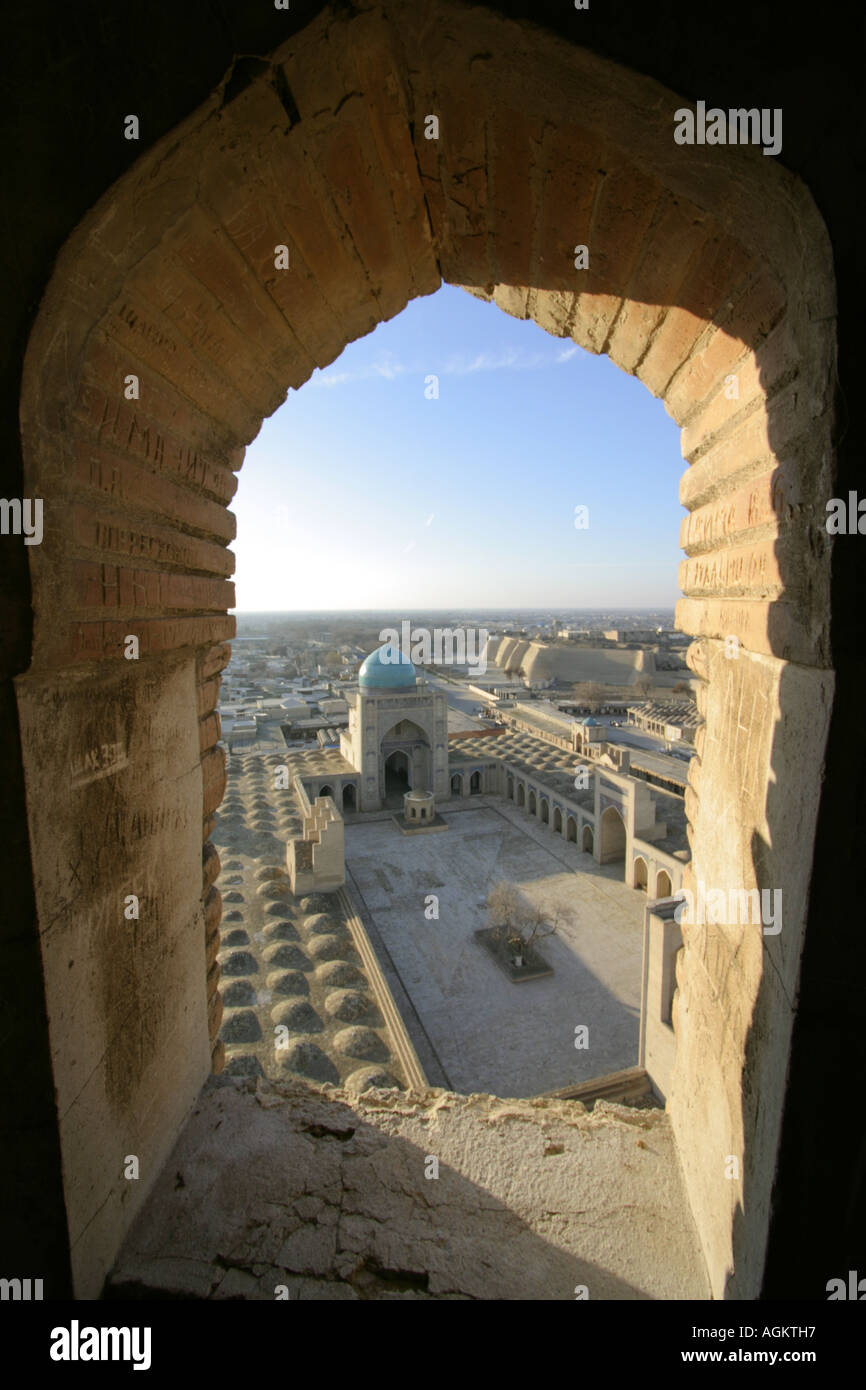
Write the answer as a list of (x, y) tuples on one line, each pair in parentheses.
[(361, 752)]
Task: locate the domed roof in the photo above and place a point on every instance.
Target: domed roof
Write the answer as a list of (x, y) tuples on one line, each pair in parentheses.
[(387, 668)]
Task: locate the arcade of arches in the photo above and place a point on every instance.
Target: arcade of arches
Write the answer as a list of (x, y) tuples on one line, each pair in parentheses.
[(701, 270)]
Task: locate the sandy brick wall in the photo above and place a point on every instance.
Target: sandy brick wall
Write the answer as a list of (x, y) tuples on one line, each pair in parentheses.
[(701, 271)]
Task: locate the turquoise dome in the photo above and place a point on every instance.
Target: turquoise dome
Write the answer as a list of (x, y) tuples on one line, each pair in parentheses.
[(387, 668)]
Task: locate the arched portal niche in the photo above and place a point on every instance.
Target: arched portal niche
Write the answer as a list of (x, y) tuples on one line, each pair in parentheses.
[(406, 761), (397, 772), (612, 836)]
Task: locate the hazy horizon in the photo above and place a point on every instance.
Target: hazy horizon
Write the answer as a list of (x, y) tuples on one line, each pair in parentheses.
[(471, 609)]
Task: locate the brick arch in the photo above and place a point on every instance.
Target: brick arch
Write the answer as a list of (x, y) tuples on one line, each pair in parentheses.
[(612, 836), (704, 265)]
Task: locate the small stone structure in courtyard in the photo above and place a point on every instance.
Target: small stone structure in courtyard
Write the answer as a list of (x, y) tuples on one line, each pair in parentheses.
[(419, 808)]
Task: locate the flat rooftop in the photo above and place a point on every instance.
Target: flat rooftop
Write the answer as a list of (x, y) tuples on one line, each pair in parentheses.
[(533, 756)]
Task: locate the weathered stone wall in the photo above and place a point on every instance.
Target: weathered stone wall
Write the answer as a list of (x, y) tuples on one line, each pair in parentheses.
[(543, 661), (114, 803), (519, 1209), (662, 940), (316, 861), (704, 265), (751, 802)]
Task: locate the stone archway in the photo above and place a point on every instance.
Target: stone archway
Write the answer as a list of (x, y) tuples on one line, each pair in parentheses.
[(663, 884), (510, 788), (521, 794), (557, 820), (587, 840), (412, 770), (532, 803), (640, 874), (571, 830), (544, 813), (397, 773), (349, 797), (710, 279), (612, 836), (457, 784)]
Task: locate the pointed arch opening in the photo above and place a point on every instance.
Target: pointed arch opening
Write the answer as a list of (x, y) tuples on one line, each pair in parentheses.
[(715, 289)]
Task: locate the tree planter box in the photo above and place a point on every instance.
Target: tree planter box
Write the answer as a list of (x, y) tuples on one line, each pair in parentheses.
[(534, 966)]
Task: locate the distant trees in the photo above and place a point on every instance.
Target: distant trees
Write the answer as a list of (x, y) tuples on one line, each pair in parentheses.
[(644, 685), (517, 921), (590, 693), (682, 688)]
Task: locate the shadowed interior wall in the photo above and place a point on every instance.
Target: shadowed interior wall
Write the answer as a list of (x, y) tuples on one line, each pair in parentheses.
[(700, 269)]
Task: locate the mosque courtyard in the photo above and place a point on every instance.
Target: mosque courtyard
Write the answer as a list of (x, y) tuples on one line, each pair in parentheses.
[(486, 1033)]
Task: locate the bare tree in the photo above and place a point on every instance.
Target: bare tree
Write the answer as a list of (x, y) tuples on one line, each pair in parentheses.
[(519, 922), (538, 924), (590, 693), (506, 908), (643, 685)]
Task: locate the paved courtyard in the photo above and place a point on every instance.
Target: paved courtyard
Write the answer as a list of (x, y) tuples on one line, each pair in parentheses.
[(491, 1035)]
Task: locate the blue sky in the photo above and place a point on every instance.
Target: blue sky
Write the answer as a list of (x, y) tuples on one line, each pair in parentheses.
[(360, 492)]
